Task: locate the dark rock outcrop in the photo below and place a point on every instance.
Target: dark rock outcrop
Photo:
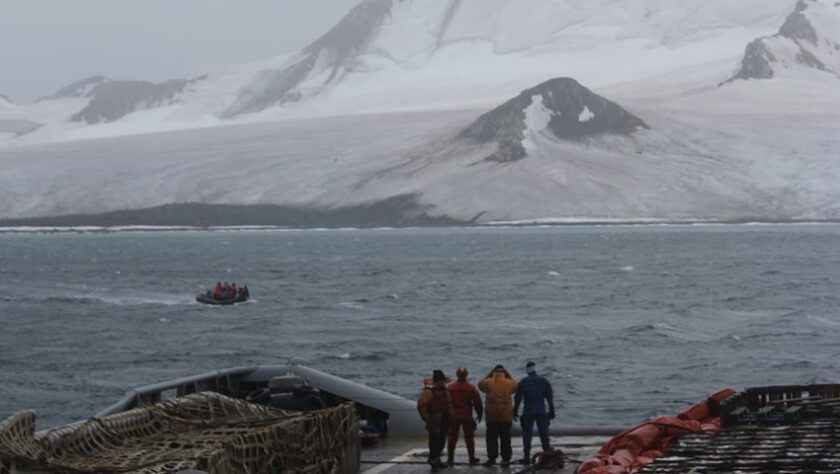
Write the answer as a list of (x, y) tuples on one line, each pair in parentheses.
[(797, 26), (757, 62), (576, 113), (112, 100), (761, 61), (332, 54)]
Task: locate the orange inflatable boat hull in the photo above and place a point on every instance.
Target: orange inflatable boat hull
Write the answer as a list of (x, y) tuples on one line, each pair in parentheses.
[(630, 451)]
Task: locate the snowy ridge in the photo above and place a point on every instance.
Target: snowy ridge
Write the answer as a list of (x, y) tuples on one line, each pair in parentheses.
[(81, 88), (808, 42), (5, 101)]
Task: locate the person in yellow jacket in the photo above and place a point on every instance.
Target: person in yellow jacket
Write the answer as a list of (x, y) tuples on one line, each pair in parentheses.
[(498, 412), (435, 407)]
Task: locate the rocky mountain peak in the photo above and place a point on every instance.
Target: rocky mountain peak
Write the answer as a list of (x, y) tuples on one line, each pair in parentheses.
[(562, 107), (798, 26), (807, 40)]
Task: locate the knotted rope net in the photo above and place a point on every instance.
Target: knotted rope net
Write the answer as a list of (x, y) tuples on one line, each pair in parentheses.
[(204, 431)]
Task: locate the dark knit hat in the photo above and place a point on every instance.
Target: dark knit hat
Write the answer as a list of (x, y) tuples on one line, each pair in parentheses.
[(438, 375), (499, 368)]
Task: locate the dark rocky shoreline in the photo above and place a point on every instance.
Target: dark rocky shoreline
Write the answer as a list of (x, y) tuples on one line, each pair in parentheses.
[(396, 213), (401, 211)]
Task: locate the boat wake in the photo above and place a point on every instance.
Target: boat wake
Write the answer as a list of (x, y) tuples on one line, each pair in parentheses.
[(114, 299)]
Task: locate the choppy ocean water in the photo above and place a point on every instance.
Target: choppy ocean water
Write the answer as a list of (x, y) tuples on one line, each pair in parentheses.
[(627, 322)]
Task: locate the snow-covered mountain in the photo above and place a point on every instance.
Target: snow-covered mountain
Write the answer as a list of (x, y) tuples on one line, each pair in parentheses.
[(98, 107), (808, 41), (397, 55), (407, 100), (5, 101)]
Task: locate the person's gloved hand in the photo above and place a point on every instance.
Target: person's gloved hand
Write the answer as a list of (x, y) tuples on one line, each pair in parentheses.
[(479, 417), (551, 414), (515, 416)]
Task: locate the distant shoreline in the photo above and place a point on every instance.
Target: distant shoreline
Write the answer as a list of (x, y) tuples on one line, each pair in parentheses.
[(397, 212), (5, 229)]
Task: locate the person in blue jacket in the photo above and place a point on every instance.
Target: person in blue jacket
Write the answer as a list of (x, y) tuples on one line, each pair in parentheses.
[(535, 391)]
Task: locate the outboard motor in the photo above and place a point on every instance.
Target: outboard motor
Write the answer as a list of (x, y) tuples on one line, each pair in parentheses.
[(288, 392)]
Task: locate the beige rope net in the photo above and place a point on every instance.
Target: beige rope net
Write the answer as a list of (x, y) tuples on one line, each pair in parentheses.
[(205, 431)]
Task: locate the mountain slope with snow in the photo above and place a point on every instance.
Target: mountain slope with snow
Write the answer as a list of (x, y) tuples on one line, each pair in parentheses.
[(809, 40), (478, 51)]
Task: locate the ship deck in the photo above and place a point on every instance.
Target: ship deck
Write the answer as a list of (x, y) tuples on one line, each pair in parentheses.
[(403, 456), (805, 447)]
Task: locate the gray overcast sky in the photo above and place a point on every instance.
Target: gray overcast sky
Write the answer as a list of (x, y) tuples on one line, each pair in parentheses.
[(47, 44)]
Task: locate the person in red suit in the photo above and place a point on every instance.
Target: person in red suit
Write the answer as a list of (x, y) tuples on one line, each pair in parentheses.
[(465, 399)]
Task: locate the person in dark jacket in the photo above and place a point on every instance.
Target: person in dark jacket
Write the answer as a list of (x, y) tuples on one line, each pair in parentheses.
[(465, 399), (434, 407), (535, 391)]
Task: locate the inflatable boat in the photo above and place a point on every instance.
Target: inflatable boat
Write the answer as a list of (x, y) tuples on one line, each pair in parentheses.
[(204, 299)]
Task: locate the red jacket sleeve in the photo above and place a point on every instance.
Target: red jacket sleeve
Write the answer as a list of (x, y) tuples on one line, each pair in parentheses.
[(476, 398)]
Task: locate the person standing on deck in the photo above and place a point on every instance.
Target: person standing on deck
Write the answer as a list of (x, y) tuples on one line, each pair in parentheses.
[(498, 410), (465, 398), (535, 391), (435, 407)]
